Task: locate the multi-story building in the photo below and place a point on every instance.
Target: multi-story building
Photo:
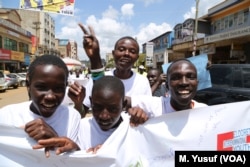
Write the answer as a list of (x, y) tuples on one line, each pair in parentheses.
[(42, 27), (67, 48), (185, 39), (230, 32), (15, 42), (223, 34), (161, 49)]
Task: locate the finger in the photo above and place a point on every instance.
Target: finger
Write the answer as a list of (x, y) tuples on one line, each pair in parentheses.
[(38, 146), (47, 153), (83, 29), (90, 150), (96, 149), (91, 30)]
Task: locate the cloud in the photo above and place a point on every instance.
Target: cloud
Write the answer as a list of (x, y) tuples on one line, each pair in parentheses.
[(127, 10), (149, 2), (110, 13), (108, 28), (151, 31)]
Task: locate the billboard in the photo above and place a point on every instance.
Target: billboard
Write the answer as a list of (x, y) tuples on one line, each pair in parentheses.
[(65, 7), (149, 54)]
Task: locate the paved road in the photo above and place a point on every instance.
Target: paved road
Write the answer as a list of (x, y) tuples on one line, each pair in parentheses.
[(11, 96)]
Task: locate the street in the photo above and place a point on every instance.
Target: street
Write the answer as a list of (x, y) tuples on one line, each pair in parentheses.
[(11, 96)]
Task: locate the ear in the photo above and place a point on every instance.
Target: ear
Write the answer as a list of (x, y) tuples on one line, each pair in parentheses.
[(124, 104), (27, 81)]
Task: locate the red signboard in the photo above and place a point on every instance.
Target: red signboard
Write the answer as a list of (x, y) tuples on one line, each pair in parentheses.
[(5, 54)]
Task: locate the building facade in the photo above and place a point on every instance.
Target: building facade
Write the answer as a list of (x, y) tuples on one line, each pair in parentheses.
[(42, 27), (158, 50), (223, 34), (15, 42), (230, 32)]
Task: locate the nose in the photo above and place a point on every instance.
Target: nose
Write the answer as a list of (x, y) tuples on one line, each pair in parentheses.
[(184, 80), (104, 114), (126, 52), (50, 94)]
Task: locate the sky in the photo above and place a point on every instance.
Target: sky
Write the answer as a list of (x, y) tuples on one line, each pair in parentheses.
[(112, 19)]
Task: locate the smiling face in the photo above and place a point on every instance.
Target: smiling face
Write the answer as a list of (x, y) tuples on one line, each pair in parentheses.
[(126, 53), (107, 106), (182, 82), (47, 89)]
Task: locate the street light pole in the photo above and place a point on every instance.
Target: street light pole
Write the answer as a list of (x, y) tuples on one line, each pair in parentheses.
[(196, 27), (37, 27)]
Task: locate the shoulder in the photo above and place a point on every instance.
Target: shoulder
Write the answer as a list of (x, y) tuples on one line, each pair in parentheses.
[(198, 104), (22, 105)]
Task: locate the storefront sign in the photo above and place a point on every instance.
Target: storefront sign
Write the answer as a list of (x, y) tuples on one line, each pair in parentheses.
[(149, 54), (228, 35), (5, 54), (17, 56), (207, 49), (14, 27)]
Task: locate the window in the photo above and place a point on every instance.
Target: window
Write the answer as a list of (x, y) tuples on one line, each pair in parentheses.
[(226, 22), (240, 18), (246, 13), (230, 21), (246, 77), (221, 77), (222, 24), (1, 43), (10, 44), (23, 47)]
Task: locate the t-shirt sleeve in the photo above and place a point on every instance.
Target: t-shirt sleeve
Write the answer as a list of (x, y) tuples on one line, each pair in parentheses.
[(88, 87), (150, 104)]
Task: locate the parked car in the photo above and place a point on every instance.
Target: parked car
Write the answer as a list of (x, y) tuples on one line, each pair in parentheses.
[(11, 81), (230, 83), (3, 87), (21, 78)]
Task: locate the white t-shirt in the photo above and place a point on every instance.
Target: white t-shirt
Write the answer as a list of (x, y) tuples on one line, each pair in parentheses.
[(65, 121), (135, 85), (91, 135), (156, 106)]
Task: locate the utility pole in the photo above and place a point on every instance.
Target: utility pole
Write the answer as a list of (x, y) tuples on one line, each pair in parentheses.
[(196, 27), (37, 27)]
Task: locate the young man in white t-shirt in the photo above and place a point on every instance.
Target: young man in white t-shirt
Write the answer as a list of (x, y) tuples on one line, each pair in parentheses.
[(182, 83), (125, 53), (43, 116)]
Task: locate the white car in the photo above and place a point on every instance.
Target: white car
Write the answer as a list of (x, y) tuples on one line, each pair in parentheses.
[(21, 78), (3, 87)]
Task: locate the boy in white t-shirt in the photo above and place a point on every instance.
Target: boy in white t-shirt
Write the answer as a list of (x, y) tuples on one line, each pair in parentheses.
[(125, 54), (43, 116), (182, 83)]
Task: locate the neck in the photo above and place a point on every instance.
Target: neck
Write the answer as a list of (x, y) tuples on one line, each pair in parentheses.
[(123, 74), (178, 107)]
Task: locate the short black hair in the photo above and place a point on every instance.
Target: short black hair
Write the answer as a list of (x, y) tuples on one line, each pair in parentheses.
[(47, 60), (127, 37), (176, 61), (111, 83)]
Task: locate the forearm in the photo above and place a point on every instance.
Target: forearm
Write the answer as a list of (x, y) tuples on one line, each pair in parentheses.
[(96, 62), (81, 109)]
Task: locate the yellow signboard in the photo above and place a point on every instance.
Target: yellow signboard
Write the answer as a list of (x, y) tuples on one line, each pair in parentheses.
[(19, 56), (65, 7)]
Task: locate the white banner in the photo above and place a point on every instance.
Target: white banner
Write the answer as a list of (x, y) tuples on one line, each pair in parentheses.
[(219, 127)]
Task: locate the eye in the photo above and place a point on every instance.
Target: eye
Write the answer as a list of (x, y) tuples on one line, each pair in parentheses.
[(192, 76)]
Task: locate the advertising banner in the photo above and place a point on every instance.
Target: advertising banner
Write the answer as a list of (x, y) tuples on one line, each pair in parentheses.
[(65, 7), (153, 144)]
